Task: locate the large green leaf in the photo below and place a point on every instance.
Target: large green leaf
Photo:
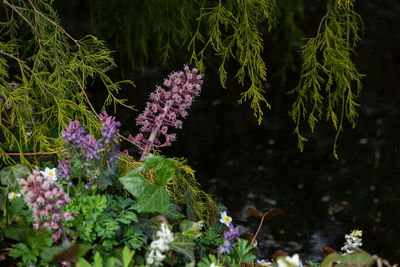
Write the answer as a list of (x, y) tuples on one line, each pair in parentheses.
[(359, 258), (163, 167), (153, 199), (150, 197)]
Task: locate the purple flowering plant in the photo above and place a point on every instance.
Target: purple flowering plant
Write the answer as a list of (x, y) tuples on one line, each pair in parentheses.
[(90, 161), (166, 108)]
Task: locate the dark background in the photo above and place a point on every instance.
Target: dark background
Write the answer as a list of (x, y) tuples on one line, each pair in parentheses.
[(249, 165)]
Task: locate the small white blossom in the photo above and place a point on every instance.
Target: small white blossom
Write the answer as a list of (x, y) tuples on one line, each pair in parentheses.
[(50, 173), (155, 257), (353, 242), (165, 234), (201, 224), (263, 263), (13, 195), (159, 244), (290, 261), (165, 237), (225, 219), (214, 265)]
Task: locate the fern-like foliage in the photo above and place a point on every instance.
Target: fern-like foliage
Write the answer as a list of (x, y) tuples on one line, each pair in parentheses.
[(233, 33), (330, 83), (43, 75)]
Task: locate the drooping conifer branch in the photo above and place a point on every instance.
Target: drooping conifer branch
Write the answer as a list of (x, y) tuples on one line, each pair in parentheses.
[(328, 76), (43, 80)]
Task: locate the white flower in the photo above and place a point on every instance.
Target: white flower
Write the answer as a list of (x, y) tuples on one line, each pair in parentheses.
[(165, 234), (353, 241), (263, 263), (159, 244), (49, 173), (28, 134), (13, 195), (213, 265), (225, 219), (290, 261), (201, 224), (155, 256)]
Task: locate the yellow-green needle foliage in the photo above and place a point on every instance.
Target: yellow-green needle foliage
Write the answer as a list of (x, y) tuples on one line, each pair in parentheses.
[(44, 72), (233, 33), (330, 83)]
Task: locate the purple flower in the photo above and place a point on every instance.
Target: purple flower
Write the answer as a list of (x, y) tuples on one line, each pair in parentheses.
[(91, 147), (232, 233), (45, 198), (226, 247), (73, 133), (109, 128), (63, 169), (230, 236), (165, 107)]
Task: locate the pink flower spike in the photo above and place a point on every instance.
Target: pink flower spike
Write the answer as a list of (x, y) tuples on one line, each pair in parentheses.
[(165, 107)]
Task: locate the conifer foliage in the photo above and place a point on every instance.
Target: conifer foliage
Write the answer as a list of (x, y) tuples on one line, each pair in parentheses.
[(329, 80), (44, 72)]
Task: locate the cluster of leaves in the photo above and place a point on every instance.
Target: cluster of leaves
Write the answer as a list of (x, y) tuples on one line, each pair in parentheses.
[(328, 75), (43, 75), (110, 230)]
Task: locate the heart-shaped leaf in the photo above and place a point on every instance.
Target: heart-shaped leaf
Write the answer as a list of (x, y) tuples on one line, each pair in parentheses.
[(163, 167)]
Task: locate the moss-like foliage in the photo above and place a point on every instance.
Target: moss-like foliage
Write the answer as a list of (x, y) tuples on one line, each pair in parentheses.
[(329, 79), (44, 72)]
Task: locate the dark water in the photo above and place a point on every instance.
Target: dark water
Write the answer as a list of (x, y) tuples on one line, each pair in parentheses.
[(323, 198)]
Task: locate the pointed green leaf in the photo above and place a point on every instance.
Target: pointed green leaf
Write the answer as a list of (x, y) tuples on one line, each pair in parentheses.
[(164, 168), (183, 245)]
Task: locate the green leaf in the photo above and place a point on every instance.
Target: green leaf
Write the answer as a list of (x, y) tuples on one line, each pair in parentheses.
[(84, 263), (359, 258), (98, 261), (112, 262), (127, 256), (132, 181), (15, 233), (190, 229), (163, 167), (183, 245), (19, 250), (151, 198), (127, 217), (10, 175)]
